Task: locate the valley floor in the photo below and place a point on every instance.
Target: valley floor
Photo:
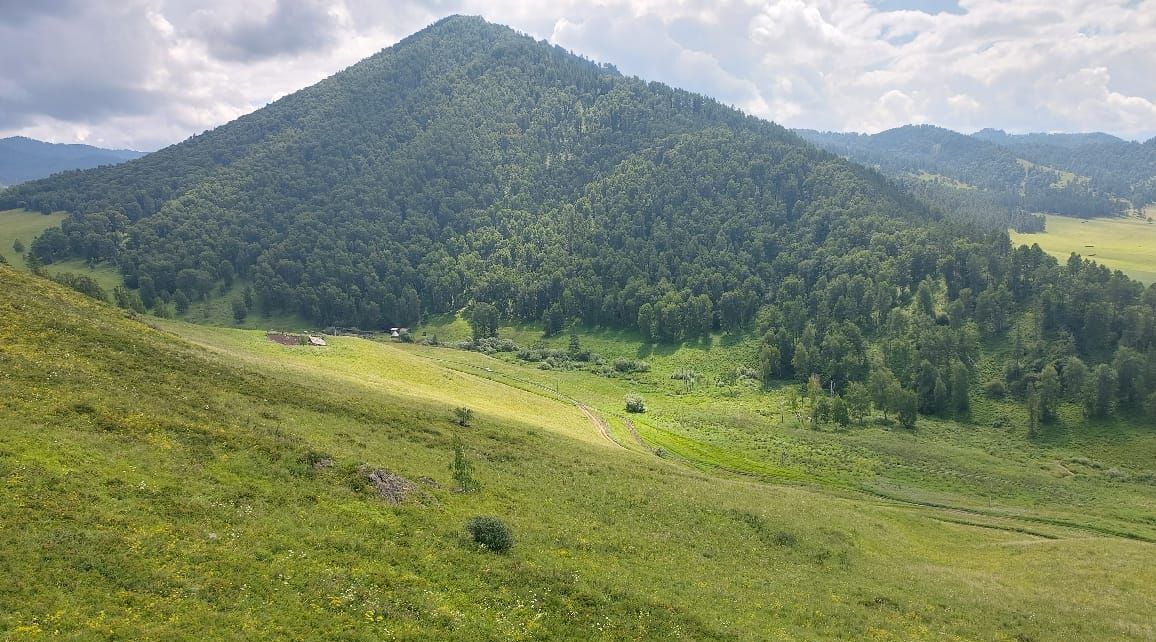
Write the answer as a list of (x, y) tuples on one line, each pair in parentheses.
[(1127, 244), (186, 482)]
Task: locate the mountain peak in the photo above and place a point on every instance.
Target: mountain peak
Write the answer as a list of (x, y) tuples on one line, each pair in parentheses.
[(438, 142)]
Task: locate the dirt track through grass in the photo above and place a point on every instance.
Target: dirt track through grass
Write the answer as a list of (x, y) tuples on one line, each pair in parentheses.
[(600, 424)]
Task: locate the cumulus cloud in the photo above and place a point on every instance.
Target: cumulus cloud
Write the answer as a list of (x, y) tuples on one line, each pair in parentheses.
[(145, 73), (288, 27)]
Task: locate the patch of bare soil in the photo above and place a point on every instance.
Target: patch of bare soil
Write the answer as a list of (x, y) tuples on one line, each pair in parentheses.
[(284, 339)]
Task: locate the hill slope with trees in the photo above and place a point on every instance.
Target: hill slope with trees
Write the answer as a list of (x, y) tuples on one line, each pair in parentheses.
[(979, 178), (1125, 168), (469, 163)]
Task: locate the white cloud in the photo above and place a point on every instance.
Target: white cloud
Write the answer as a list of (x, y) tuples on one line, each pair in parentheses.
[(152, 72)]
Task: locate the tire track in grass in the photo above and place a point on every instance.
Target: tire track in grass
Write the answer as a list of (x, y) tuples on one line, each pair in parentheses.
[(600, 424), (704, 461), (634, 433)]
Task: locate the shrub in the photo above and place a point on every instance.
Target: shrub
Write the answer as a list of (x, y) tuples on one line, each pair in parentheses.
[(463, 469), (631, 365), (995, 389), (743, 372), (463, 416), (634, 403), (490, 533), (82, 283)]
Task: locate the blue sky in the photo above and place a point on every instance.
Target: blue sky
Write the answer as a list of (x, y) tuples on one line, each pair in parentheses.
[(147, 73), (927, 6)]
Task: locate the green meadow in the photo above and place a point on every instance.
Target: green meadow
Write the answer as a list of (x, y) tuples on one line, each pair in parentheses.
[(23, 226), (1127, 244), (173, 481)]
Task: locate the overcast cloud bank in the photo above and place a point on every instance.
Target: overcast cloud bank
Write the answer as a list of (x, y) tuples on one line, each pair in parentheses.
[(146, 73)]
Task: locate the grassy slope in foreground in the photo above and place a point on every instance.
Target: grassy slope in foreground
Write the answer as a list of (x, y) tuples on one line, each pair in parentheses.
[(153, 489), (1127, 244)]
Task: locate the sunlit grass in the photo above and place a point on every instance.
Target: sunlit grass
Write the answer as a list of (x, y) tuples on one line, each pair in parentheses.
[(155, 488), (1127, 244)]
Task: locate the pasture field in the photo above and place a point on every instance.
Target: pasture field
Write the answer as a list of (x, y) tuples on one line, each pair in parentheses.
[(1127, 244), (24, 226), (185, 482)]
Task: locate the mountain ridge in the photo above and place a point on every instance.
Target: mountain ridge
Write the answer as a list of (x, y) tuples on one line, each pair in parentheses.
[(23, 158)]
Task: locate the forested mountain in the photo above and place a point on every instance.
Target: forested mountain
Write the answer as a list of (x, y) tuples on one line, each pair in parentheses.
[(469, 163), (1124, 168), (24, 159), (975, 177), (1000, 137)]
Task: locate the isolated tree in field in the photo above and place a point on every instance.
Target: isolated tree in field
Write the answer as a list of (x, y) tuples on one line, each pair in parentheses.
[(793, 400), (687, 376), (816, 398), (907, 408), (18, 246), (463, 469), (127, 299), (1035, 411), (483, 320)]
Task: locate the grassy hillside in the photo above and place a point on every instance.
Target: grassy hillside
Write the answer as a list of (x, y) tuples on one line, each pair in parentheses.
[(1127, 244), (207, 486)]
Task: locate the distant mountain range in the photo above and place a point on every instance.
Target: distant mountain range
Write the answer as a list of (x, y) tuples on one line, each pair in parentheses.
[(1004, 176), (25, 159)]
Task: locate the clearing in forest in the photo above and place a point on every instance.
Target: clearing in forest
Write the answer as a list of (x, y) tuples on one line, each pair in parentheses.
[(1127, 244)]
